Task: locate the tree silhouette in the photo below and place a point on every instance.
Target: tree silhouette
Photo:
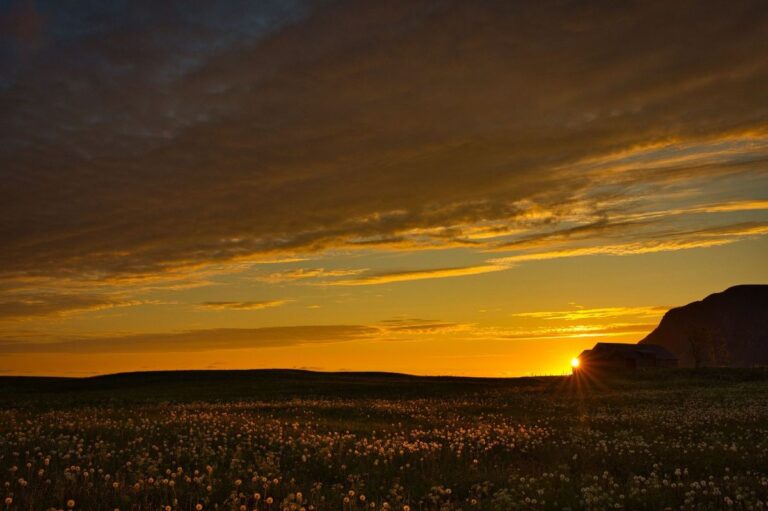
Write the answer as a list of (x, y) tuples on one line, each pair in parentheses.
[(698, 339)]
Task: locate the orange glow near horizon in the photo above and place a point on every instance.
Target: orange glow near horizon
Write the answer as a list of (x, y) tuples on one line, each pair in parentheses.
[(428, 358), (494, 333)]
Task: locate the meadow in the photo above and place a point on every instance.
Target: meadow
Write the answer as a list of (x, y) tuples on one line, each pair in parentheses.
[(292, 440)]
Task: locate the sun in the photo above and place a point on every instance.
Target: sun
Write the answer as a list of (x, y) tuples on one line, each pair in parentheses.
[(575, 362)]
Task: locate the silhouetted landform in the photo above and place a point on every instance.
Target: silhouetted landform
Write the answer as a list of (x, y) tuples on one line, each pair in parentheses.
[(127, 389), (259, 384), (728, 329)]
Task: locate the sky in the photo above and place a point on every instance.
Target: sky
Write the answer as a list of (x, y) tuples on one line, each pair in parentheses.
[(430, 187)]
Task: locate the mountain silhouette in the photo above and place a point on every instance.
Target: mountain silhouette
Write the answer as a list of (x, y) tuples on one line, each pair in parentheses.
[(724, 329)]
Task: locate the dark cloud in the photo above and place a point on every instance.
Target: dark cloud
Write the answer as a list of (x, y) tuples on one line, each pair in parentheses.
[(195, 340), (35, 305), (140, 138), (221, 338)]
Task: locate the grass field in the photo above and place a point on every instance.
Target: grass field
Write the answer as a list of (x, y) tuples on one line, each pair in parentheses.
[(275, 440)]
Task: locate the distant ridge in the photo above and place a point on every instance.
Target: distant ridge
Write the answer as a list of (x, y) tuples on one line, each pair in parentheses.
[(251, 384), (724, 329)]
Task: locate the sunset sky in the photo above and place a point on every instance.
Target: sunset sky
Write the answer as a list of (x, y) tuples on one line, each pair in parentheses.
[(469, 188)]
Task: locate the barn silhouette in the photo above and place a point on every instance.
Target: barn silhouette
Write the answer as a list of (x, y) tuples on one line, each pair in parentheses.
[(611, 355)]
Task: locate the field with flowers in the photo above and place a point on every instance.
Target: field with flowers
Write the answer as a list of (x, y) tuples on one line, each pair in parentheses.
[(271, 440)]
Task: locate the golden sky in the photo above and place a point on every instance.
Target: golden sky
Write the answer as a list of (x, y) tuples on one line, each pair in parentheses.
[(471, 188)]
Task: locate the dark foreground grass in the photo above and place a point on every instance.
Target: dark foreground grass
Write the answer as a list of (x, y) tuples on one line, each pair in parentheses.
[(274, 440)]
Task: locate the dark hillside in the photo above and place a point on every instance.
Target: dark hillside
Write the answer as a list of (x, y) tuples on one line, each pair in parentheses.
[(724, 329)]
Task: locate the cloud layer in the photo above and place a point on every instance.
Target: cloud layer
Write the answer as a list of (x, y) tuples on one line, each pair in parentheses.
[(228, 338), (138, 144), (195, 340)]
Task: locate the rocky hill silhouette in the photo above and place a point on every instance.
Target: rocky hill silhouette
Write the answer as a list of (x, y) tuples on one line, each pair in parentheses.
[(724, 329)]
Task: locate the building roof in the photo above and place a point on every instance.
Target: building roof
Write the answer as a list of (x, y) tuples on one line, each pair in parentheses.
[(629, 351)]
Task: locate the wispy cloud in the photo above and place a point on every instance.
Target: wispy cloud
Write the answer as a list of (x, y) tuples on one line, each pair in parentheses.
[(36, 305), (747, 205), (680, 157), (307, 274), (593, 230), (419, 326), (662, 242), (409, 275), (570, 332), (570, 242), (242, 306), (581, 314)]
